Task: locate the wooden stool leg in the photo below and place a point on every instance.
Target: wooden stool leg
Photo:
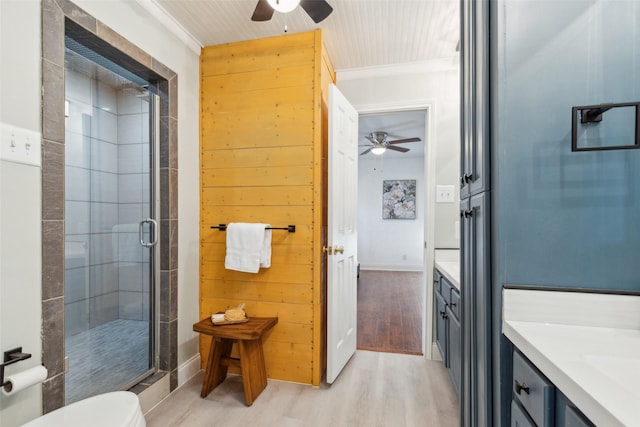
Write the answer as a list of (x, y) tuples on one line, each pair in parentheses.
[(254, 373), (216, 372)]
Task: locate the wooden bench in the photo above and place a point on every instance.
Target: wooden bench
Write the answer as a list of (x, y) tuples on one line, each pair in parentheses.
[(251, 362)]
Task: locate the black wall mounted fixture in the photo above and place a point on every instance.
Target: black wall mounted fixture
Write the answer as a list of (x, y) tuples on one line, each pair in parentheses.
[(10, 357), (586, 116), (289, 228)]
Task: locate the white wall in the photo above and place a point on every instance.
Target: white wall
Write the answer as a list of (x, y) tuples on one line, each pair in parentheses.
[(20, 187), (435, 84), (20, 205), (389, 244)]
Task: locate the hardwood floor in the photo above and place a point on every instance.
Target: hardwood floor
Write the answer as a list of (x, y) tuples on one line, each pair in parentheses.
[(390, 310), (375, 389)]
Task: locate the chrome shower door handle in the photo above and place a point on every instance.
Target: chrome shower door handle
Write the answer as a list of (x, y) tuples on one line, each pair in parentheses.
[(154, 232)]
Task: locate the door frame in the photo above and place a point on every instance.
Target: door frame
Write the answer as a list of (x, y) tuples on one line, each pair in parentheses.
[(429, 205), (56, 18)]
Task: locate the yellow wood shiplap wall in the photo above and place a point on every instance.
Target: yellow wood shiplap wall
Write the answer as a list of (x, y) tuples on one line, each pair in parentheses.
[(262, 155)]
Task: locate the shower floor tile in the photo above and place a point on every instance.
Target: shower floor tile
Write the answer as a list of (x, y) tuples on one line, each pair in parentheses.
[(106, 358)]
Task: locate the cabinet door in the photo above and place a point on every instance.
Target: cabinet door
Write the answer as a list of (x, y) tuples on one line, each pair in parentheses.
[(474, 111), (518, 417), (475, 295), (441, 327), (455, 362), (568, 415)]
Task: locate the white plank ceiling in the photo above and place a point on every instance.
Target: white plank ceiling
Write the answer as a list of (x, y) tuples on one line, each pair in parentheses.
[(358, 34)]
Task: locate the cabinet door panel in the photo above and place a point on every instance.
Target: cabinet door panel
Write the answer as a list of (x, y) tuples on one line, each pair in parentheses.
[(455, 363), (474, 110), (475, 295), (534, 391), (441, 327), (518, 417)]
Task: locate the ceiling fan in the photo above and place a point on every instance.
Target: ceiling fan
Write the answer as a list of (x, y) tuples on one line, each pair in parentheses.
[(381, 144), (318, 10)]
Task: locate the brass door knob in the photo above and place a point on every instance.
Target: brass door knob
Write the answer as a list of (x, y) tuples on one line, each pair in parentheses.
[(327, 250), (338, 250)]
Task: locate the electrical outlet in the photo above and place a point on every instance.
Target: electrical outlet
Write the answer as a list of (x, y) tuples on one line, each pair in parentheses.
[(445, 193), (19, 145)]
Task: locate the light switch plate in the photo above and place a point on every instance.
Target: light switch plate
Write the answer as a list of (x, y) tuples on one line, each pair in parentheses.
[(445, 193), (19, 145)]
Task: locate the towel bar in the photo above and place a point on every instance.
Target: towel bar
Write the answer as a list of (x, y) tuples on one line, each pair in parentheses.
[(289, 228)]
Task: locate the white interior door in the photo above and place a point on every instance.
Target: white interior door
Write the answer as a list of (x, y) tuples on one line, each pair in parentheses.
[(342, 235)]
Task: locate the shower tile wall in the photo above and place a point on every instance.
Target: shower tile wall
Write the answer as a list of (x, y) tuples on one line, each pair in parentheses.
[(103, 204)]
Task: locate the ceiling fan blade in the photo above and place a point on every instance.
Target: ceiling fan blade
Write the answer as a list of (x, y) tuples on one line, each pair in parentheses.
[(366, 151), (318, 10), (263, 11), (402, 141), (394, 148)]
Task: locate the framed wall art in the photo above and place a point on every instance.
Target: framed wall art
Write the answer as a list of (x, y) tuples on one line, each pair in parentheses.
[(399, 199)]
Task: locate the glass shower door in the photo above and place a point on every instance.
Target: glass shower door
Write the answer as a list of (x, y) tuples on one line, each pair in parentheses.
[(110, 234)]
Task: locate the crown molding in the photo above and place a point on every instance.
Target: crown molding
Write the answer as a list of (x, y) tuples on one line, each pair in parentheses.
[(431, 66), (165, 18)]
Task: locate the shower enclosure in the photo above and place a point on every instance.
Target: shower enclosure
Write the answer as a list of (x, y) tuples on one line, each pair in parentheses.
[(110, 231)]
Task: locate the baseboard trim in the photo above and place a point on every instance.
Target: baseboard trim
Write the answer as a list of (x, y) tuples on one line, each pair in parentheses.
[(188, 369), (159, 391), (435, 353), (416, 268)]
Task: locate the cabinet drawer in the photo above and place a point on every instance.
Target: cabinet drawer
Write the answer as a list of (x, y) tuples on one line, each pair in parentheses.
[(533, 391), (518, 417), (455, 302)]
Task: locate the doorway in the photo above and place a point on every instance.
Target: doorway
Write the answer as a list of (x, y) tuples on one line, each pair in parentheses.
[(76, 24), (391, 232)]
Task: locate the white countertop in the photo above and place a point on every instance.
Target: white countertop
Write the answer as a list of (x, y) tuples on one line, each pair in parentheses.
[(587, 344), (447, 262)]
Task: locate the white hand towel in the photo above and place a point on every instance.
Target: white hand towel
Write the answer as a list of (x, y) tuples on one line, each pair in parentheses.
[(248, 247)]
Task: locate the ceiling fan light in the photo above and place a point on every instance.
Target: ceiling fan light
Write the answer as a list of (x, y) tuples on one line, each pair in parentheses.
[(378, 150), (283, 6)]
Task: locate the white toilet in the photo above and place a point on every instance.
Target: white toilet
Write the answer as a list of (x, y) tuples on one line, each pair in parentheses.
[(115, 409)]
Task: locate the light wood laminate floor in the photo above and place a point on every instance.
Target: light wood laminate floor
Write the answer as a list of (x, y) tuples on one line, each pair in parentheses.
[(375, 389)]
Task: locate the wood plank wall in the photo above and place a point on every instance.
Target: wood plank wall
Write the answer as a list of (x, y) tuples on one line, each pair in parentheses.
[(263, 157)]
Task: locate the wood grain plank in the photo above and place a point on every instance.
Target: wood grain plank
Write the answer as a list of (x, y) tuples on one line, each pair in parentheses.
[(390, 311), (258, 54), (280, 253), (256, 80), (289, 293), (300, 195), (277, 216), (302, 236), (282, 176), (258, 157), (286, 313)]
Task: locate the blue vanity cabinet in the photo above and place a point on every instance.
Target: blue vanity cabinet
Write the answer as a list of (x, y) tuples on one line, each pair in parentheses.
[(475, 311), (441, 327), (474, 106), (455, 361), (536, 402), (448, 337), (533, 392)]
